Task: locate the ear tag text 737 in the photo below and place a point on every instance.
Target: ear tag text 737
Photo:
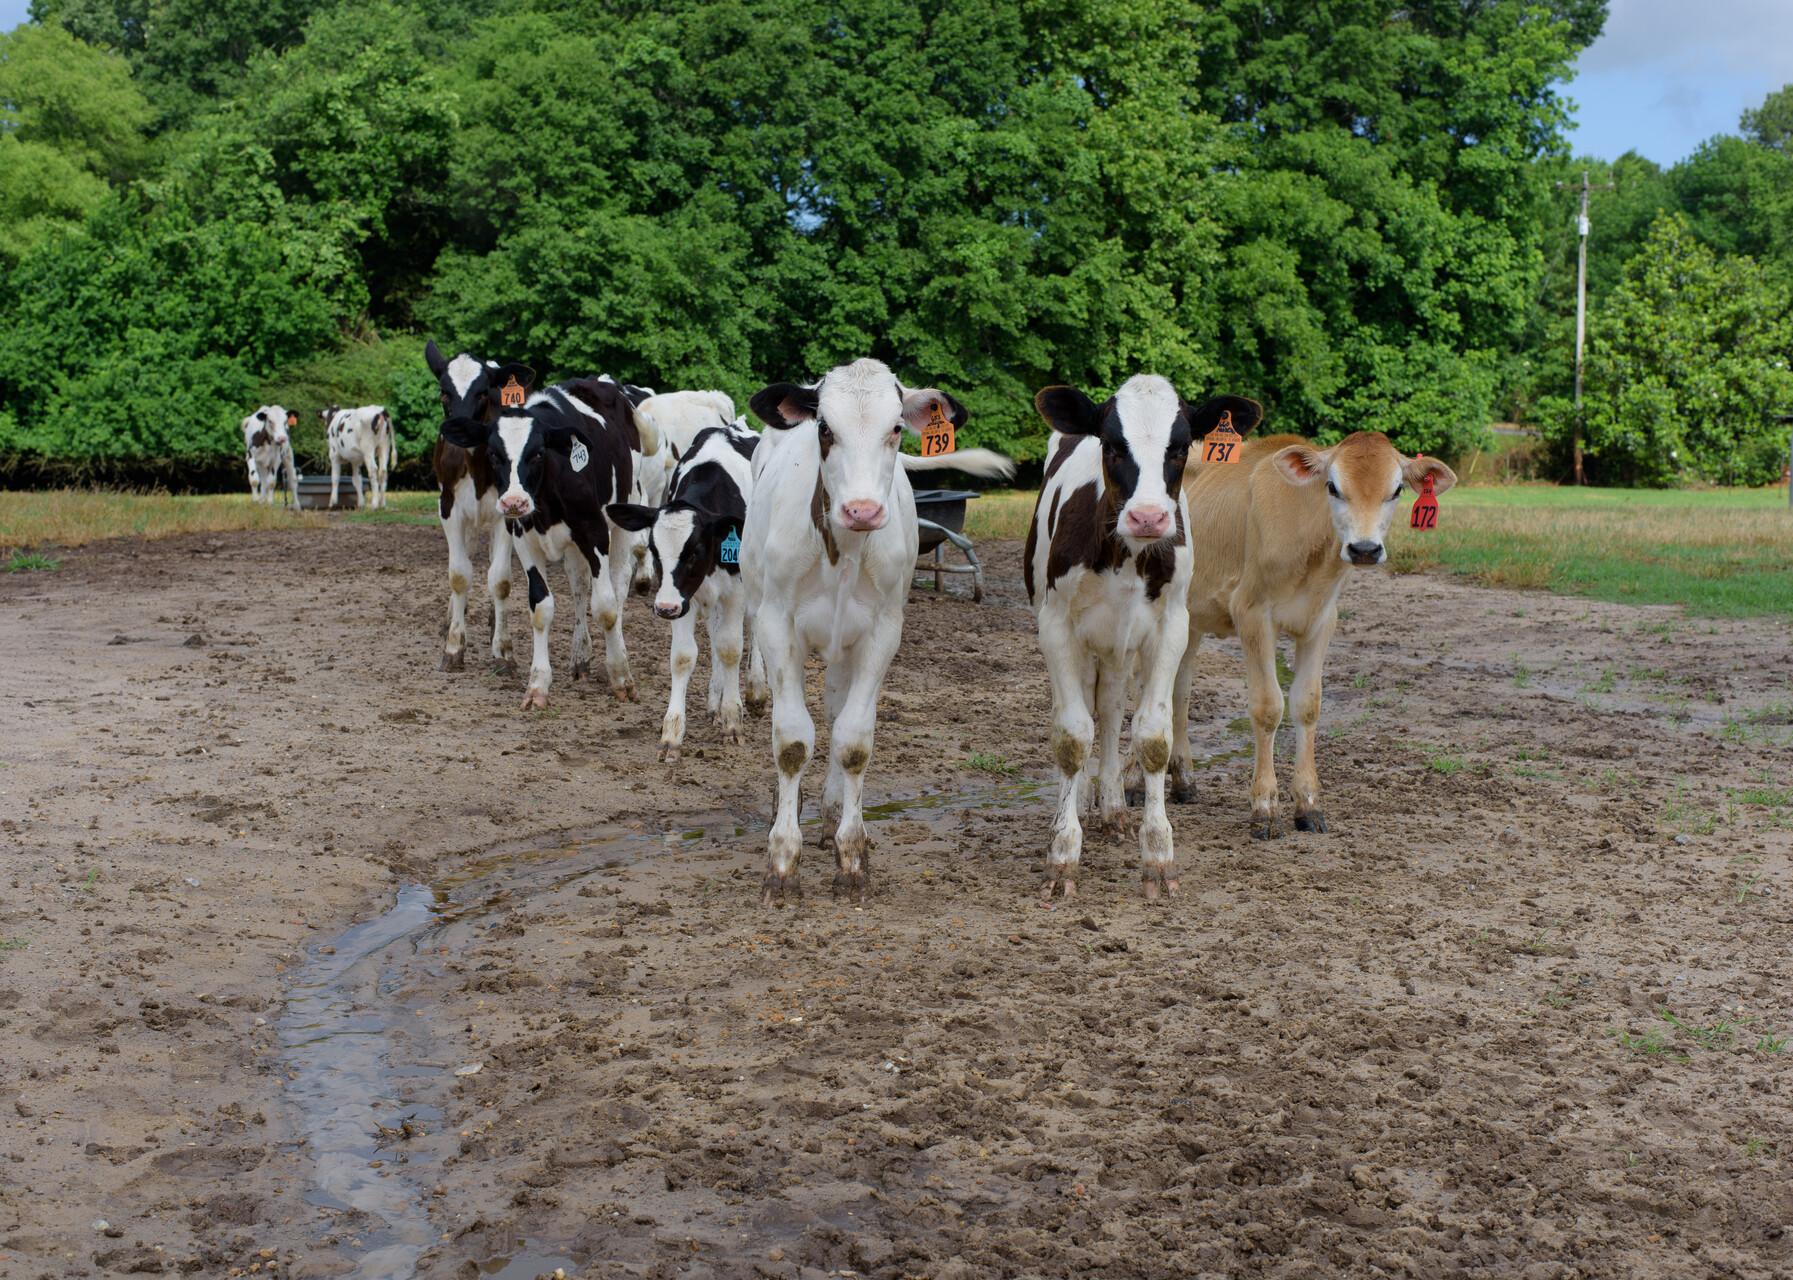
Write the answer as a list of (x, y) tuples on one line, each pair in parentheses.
[(511, 396), (1425, 507), (731, 547), (937, 434), (1222, 443)]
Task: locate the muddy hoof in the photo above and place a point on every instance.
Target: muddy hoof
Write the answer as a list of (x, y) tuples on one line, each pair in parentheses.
[(1312, 820), (1264, 828), (624, 692), (1134, 796), (853, 885), (537, 698), (734, 736), (778, 891), (452, 661), (757, 706), (669, 753), (1060, 882), (1160, 882), (581, 669), (1119, 825), (505, 668), (1182, 790)]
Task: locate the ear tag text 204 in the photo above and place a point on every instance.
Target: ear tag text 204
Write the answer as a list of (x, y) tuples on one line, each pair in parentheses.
[(1425, 507), (511, 395), (937, 434), (1222, 443), (731, 547)]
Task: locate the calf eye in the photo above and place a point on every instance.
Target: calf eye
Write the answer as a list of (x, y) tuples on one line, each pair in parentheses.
[(896, 431), (1397, 493), (823, 433), (1332, 488)]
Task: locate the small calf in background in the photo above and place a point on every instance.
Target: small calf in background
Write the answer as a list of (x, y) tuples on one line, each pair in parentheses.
[(267, 448), (1276, 534), (672, 420), (362, 438), (694, 543)]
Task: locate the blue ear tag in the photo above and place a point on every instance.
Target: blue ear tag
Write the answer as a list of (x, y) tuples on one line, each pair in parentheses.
[(731, 547)]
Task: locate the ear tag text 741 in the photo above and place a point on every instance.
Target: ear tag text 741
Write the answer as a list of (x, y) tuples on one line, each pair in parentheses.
[(1425, 507), (937, 434), (511, 396), (731, 547), (1222, 443)]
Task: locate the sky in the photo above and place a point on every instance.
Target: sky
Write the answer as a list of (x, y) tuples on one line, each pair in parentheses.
[(1663, 77)]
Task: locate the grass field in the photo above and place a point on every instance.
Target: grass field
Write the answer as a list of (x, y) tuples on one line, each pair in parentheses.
[(1721, 552)]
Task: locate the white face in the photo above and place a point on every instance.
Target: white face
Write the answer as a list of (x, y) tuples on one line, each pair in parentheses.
[(1362, 500), (1149, 413), (276, 417), (671, 532), (861, 407), (514, 433), (462, 370)]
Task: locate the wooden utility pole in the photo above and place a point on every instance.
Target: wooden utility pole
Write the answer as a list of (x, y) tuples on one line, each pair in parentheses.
[(1581, 306)]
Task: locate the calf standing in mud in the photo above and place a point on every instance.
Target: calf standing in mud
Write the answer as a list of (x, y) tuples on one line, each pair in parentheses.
[(694, 542), (1107, 566), (559, 459)]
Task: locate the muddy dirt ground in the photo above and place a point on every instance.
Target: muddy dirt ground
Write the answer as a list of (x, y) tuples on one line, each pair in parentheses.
[(1435, 1041)]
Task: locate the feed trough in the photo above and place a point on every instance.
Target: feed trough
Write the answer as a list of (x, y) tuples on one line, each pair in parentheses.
[(940, 516), (314, 494)]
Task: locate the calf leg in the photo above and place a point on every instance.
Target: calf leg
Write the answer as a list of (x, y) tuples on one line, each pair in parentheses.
[(835, 682), (793, 739), (1304, 701), (498, 590), (541, 618), (579, 587), (850, 750), (682, 658), (335, 478), (725, 627), (610, 589), (1152, 747), (458, 530), (1257, 637), (758, 695), (1182, 759), (1111, 706), (292, 476), (1072, 730)]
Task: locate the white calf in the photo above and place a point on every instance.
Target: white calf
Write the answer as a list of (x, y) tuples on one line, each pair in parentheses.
[(362, 438), (267, 448)]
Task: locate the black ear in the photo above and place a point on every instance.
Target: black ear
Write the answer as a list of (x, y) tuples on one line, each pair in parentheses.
[(261, 415), (785, 404), (1204, 418), (1068, 410), (631, 516), (468, 433), (559, 439), (433, 358)]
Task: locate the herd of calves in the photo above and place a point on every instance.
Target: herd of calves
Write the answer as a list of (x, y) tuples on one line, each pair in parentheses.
[(810, 530)]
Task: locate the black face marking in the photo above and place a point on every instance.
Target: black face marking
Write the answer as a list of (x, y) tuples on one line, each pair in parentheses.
[(538, 587)]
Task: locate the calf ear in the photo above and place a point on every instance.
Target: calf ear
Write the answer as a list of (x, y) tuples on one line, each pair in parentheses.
[(631, 516), (1415, 470), (433, 358), (1299, 463), (468, 433), (1205, 417), (918, 408), (785, 404), (1068, 410)]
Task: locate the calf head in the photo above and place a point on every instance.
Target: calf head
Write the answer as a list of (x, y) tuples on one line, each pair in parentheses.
[(328, 414), (275, 422), (517, 445), (685, 542), (1364, 476), (860, 411), (472, 388), (1146, 430)]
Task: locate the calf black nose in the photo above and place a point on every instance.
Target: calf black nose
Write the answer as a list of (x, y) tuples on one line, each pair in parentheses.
[(1365, 552)]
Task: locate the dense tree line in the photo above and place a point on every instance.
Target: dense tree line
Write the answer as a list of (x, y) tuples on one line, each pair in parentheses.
[(1345, 209)]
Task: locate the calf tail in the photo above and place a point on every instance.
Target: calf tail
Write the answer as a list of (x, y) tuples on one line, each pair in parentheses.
[(648, 430), (984, 464)]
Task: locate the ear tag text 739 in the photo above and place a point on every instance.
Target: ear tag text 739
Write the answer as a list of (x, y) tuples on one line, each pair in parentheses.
[(1222, 443), (731, 548), (937, 434), (1425, 507), (511, 395)]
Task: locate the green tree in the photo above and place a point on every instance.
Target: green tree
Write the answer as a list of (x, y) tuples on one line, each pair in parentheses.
[(1771, 124)]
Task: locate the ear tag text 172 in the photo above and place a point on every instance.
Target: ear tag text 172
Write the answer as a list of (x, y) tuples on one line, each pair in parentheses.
[(731, 547), (1222, 443), (937, 434), (1425, 507), (511, 396)]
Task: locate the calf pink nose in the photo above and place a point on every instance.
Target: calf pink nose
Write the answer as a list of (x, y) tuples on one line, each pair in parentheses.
[(863, 515), (1148, 522), (513, 506)]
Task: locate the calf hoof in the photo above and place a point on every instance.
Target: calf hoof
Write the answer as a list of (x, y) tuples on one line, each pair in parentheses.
[(1159, 882), (1118, 825), (452, 661), (1060, 882), (669, 753), (537, 698), (734, 735), (505, 667), (853, 885), (1135, 796), (1264, 827), (624, 690), (756, 704), (1312, 820), (581, 669), (777, 890), (1182, 789)]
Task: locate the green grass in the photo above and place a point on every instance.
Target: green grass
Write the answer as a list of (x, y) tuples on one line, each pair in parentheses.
[(75, 517), (32, 562), (986, 763), (1718, 552)]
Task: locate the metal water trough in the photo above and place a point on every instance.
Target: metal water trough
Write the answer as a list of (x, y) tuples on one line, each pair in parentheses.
[(940, 516), (314, 493)]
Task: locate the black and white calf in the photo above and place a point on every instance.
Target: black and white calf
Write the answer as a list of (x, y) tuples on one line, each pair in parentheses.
[(1107, 566), (362, 438), (827, 555), (267, 449), (694, 545), (558, 460)]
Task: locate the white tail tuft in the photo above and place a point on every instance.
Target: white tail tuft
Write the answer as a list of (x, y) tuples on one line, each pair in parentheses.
[(984, 464)]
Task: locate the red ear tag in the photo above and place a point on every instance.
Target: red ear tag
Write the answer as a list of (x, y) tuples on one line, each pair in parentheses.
[(1222, 443), (511, 396), (937, 433), (1425, 507)]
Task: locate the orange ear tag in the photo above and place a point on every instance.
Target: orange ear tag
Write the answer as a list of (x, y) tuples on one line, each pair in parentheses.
[(292, 419), (511, 396), (1425, 507), (1222, 443), (937, 434)]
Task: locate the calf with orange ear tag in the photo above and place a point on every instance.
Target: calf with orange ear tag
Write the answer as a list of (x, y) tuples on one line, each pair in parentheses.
[(1277, 535)]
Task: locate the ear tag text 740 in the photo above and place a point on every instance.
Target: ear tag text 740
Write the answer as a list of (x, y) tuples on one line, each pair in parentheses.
[(937, 434), (731, 547), (1222, 443), (1425, 507), (511, 396)]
